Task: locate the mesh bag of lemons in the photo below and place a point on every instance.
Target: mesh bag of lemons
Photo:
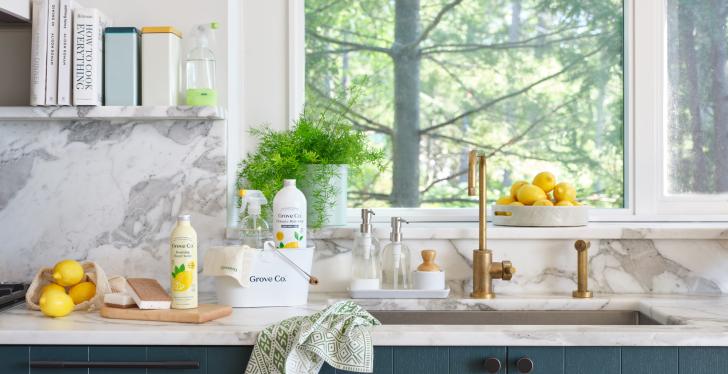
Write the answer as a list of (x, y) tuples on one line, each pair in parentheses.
[(544, 190), (66, 287)]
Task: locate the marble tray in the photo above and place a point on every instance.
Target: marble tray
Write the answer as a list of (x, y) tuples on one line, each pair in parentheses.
[(540, 216), (399, 294)]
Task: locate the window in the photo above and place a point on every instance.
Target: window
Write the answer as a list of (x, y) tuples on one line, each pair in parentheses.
[(537, 85)]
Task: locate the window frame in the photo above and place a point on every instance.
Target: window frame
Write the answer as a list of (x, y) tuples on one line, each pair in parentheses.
[(645, 116)]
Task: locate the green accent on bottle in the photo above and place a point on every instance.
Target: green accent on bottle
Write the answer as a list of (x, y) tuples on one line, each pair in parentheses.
[(201, 97)]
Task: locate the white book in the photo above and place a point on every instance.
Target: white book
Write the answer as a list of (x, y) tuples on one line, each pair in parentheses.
[(52, 54), (38, 48), (65, 51), (88, 26)]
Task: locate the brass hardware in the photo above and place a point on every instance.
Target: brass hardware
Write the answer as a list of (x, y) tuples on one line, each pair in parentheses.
[(484, 269), (582, 273)]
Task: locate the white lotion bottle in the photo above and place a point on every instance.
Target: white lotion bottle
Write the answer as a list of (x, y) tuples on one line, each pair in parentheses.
[(289, 216), (183, 264)]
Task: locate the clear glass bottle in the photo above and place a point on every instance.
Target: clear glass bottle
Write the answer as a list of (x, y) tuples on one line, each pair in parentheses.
[(395, 260), (254, 230), (200, 68), (365, 270)]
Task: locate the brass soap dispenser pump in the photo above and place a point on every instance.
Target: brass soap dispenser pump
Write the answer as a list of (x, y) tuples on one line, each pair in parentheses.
[(484, 269)]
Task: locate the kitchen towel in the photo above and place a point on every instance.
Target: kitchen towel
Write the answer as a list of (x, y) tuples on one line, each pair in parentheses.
[(231, 261), (338, 335)]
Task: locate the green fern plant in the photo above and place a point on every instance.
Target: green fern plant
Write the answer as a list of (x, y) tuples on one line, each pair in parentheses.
[(326, 139)]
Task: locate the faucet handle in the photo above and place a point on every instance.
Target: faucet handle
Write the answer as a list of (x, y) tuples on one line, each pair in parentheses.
[(508, 270)]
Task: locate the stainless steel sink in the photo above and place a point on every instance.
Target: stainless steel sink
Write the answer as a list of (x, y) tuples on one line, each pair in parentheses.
[(510, 317)]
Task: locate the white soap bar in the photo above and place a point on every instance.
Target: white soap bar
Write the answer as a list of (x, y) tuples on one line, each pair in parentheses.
[(119, 300)]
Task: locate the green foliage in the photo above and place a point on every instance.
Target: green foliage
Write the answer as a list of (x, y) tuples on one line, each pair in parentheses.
[(325, 139)]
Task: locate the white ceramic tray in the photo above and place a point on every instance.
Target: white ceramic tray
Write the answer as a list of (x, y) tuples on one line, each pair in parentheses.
[(540, 216), (399, 294)]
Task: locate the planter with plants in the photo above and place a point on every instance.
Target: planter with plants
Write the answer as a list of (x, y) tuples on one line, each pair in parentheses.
[(319, 152)]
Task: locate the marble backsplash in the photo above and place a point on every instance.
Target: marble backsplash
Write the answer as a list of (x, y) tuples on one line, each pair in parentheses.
[(106, 184), (664, 266)]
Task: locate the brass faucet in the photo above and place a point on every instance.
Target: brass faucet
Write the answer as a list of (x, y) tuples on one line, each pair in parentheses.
[(582, 272), (484, 269)]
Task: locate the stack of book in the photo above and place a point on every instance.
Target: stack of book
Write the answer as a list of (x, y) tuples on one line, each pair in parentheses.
[(66, 54)]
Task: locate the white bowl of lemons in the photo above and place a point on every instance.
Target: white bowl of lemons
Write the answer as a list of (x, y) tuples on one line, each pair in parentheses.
[(542, 203)]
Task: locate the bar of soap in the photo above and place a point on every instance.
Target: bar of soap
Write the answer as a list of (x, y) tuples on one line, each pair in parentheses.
[(119, 300), (118, 284), (148, 293)]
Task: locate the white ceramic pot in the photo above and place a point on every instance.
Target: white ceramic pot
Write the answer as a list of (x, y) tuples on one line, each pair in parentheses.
[(334, 214)]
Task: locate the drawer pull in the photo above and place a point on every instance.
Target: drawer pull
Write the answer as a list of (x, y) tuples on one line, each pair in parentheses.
[(115, 364), (524, 365), (492, 365)]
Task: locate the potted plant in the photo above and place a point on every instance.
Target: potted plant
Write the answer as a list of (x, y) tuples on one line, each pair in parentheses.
[(320, 152)]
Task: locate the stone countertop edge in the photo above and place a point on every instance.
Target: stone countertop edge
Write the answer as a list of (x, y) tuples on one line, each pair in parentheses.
[(53, 113), (692, 321)]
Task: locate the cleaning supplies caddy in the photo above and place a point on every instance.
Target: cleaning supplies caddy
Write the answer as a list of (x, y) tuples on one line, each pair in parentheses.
[(183, 264), (289, 216), (395, 259), (365, 256)]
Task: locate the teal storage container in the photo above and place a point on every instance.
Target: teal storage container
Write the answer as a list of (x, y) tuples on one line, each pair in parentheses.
[(121, 66)]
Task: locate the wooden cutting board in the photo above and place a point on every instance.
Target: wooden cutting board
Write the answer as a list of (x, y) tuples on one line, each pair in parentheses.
[(204, 313)]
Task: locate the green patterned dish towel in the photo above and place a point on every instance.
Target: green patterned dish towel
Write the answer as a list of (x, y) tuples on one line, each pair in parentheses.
[(338, 335)]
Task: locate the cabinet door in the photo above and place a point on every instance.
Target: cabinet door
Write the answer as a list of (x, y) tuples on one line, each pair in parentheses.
[(14, 359), (117, 354), (58, 353), (649, 360), (546, 360), (702, 360), (228, 360), (179, 353), (420, 360), (468, 360), (592, 360), (382, 363)]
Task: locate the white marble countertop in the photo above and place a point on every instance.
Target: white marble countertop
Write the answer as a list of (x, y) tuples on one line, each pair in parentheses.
[(43, 113), (690, 321)]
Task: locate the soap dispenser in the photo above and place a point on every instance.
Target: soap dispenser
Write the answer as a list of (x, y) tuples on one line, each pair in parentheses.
[(365, 256), (395, 259)]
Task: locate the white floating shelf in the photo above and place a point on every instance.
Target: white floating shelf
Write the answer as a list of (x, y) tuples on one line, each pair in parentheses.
[(45, 113)]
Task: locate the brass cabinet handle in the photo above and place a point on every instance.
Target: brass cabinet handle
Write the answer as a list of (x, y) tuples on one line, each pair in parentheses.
[(524, 365), (115, 364), (492, 365)]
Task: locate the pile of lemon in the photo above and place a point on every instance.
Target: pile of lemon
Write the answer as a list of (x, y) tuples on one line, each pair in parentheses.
[(540, 191), (57, 299)]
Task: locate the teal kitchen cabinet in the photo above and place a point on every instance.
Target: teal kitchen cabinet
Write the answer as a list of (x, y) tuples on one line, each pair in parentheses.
[(77, 353), (14, 359), (651, 360), (592, 360), (117, 353)]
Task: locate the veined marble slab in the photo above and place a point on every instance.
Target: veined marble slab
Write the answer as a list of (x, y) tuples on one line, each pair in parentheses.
[(691, 321), (30, 113)]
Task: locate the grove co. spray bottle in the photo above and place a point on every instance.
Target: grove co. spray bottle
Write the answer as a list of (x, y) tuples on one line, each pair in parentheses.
[(200, 67), (183, 264)]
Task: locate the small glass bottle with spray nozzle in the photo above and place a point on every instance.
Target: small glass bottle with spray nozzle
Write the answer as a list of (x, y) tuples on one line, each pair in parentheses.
[(395, 260), (365, 261), (254, 230)]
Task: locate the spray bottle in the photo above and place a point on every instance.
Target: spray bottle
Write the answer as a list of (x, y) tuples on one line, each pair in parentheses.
[(200, 67), (254, 230)]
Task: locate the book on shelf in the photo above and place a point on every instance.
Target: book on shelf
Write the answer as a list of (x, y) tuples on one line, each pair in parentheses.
[(88, 31), (51, 97), (65, 51), (38, 52)]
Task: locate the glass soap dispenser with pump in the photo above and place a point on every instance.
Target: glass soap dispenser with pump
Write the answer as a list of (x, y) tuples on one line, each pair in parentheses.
[(395, 259), (365, 262)]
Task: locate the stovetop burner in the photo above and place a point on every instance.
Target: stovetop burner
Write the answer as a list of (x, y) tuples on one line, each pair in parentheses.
[(11, 294)]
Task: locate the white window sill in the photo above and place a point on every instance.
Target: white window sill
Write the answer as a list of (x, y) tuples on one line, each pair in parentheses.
[(595, 230)]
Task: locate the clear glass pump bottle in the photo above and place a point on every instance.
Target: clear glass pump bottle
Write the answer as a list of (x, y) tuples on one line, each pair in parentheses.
[(365, 256), (395, 260)]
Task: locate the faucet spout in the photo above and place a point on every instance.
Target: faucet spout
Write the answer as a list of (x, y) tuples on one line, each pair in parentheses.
[(484, 269)]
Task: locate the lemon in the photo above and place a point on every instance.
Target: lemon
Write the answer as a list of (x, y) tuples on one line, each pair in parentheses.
[(516, 203), (564, 192), (55, 304), (544, 202), (505, 200), (515, 187), (68, 273), (182, 281), (545, 180), (564, 203), (528, 194), (576, 203), (52, 287), (82, 292), (291, 245)]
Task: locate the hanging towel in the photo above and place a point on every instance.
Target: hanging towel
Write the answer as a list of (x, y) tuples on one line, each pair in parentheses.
[(232, 261), (338, 335)]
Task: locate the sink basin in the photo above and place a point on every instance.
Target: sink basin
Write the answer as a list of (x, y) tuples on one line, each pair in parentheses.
[(513, 317)]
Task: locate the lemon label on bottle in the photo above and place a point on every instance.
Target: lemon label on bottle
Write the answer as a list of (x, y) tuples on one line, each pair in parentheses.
[(184, 275), (290, 222)]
